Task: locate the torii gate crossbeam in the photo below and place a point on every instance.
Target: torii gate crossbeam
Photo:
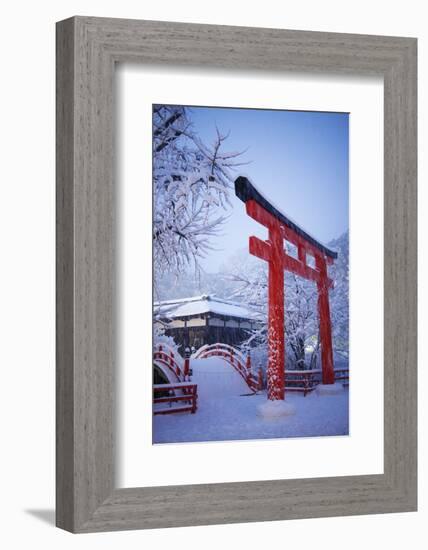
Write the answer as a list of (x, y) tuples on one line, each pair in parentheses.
[(273, 251)]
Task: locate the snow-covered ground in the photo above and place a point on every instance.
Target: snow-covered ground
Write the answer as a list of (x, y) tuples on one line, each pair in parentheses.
[(227, 411)]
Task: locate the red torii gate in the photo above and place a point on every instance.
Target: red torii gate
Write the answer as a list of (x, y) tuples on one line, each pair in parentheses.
[(273, 251)]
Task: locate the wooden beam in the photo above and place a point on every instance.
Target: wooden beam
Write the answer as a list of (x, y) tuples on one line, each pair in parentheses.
[(260, 214), (302, 254), (261, 249), (296, 239), (293, 265)]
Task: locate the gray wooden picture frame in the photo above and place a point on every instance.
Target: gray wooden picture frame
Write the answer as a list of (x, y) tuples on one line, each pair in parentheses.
[(87, 50)]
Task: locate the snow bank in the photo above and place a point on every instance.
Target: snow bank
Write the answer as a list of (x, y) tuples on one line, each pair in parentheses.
[(275, 409), (330, 389), (228, 411)]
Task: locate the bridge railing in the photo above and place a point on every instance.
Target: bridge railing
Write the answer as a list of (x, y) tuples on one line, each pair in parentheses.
[(241, 363), (306, 381), (174, 398), (166, 356)]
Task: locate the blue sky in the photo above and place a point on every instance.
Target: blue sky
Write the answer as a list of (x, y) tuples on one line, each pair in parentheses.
[(298, 159)]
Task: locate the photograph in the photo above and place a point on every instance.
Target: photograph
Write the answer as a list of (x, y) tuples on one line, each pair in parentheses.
[(250, 274), (210, 275)]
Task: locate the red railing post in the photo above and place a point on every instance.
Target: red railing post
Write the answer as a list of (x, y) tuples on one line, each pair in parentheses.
[(260, 378), (194, 399), (305, 384), (186, 368)]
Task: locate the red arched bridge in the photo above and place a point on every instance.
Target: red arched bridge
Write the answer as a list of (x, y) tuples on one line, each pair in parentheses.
[(178, 390)]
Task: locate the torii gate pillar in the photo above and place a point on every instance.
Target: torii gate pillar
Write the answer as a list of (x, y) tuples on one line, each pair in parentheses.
[(276, 345), (323, 285)]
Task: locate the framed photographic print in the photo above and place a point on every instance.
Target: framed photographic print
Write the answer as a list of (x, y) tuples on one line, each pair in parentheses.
[(236, 274)]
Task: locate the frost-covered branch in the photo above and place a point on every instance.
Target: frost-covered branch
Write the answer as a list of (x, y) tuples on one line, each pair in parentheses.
[(191, 183)]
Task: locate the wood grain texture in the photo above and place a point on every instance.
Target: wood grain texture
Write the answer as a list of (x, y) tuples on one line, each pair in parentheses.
[(64, 278), (87, 49)]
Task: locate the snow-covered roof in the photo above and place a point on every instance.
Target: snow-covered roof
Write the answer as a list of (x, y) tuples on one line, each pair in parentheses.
[(197, 305)]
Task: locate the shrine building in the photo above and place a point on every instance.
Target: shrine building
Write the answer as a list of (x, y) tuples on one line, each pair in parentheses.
[(194, 322)]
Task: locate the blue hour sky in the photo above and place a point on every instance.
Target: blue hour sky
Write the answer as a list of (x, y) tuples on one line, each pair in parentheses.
[(297, 159)]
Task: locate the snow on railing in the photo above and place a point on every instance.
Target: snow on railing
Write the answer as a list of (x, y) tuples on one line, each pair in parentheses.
[(303, 371), (220, 346), (162, 346)]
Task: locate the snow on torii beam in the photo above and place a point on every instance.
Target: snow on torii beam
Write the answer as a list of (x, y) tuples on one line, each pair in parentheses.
[(280, 227)]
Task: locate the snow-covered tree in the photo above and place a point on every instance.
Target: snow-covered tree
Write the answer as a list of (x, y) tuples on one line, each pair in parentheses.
[(339, 297), (301, 318), (301, 321), (191, 182)]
